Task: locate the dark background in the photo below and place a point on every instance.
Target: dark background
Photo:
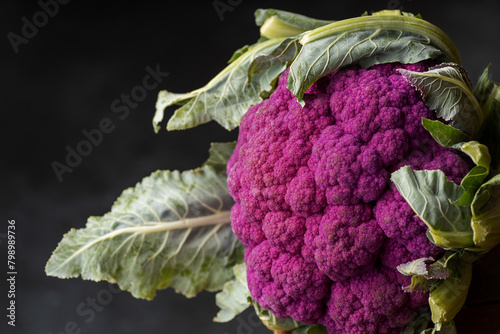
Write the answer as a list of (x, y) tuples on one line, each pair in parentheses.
[(64, 80)]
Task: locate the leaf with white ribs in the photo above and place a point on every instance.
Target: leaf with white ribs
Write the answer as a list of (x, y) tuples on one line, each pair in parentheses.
[(386, 36), (226, 97), (170, 230), (447, 90)]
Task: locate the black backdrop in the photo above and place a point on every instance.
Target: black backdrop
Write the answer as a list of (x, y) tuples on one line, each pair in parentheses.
[(63, 80)]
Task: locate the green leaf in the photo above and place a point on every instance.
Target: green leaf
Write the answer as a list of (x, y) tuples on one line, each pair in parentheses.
[(226, 97), (483, 91), (431, 196), (447, 90), (219, 154), (279, 23), (488, 95), (480, 155), (447, 299), (448, 136), (366, 41), (233, 299), (444, 134), (273, 322), (283, 54), (486, 215), (418, 284), (170, 230), (238, 53)]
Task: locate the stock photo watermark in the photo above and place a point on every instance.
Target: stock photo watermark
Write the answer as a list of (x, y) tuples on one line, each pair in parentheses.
[(11, 272), (223, 6), (88, 309), (121, 108), (30, 27)]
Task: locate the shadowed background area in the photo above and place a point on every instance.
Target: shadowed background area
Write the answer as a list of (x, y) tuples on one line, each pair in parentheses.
[(64, 79)]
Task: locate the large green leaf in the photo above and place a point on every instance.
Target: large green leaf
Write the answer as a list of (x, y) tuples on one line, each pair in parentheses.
[(226, 97), (447, 90), (431, 196), (366, 41), (171, 229)]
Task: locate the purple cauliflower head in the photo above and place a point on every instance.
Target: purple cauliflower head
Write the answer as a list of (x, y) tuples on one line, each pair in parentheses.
[(323, 227)]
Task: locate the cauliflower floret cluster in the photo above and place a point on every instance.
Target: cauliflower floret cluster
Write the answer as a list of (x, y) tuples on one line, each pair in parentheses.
[(323, 226)]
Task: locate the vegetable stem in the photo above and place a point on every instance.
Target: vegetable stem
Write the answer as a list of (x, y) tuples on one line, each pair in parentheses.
[(273, 27)]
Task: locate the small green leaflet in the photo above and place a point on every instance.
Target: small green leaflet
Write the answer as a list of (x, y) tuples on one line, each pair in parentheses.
[(425, 267), (219, 155), (233, 299), (447, 299), (447, 90), (285, 324), (366, 41), (283, 54), (444, 134), (486, 214), (170, 230), (480, 155), (431, 196), (273, 322), (226, 97), (448, 136), (484, 91)]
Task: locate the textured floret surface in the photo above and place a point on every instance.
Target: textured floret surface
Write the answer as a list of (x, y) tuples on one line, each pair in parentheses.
[(323, 226)]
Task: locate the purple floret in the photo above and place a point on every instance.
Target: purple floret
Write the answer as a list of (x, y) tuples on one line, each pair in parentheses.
[(323, 227)]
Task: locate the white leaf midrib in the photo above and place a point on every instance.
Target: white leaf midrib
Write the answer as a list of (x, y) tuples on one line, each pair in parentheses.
[(218, 218)]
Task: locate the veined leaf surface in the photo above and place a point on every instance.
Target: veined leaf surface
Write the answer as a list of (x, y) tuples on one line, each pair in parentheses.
[(226, 97), (447, 90), (172, 229), (366, 41), (431, 196), (444, 134)]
